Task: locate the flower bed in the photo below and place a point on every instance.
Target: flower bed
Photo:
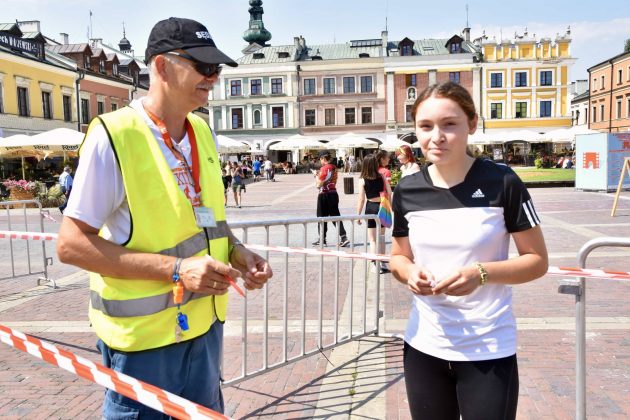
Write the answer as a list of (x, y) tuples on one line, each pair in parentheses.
[(21, 190)]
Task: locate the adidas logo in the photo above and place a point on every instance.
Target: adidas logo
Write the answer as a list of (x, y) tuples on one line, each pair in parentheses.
[(478, 194)]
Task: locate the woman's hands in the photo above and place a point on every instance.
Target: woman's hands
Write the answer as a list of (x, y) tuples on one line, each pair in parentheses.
[(461, 282)]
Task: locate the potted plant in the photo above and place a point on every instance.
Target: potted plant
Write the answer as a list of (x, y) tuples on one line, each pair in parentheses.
[(20, 189)]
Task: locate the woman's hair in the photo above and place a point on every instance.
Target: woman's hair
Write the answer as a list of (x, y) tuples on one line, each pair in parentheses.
[(449, 90), (369, 169), (381, 154), (406, 150)]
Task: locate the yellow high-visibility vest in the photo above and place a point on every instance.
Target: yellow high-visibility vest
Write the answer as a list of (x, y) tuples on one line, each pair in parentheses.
[(137, 314)]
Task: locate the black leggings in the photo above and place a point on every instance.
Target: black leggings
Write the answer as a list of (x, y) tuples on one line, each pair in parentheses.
[(442, 390)]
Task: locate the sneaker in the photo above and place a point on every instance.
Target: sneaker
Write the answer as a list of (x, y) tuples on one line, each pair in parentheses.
[(344, 242), (316, 243), (384, 269)]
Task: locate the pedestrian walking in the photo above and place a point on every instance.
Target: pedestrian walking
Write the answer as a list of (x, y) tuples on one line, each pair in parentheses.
[(238, 184), (158, 291), (328, 199), (452, 224), (65, 182)]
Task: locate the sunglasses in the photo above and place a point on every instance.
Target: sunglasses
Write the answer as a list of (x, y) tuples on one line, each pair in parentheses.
[(205, 69)]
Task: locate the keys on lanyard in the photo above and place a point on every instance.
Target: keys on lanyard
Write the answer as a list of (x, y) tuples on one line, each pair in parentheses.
[(181, 323)]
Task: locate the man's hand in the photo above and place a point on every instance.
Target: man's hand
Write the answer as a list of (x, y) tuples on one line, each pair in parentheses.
[(206, 275), (255, 269)]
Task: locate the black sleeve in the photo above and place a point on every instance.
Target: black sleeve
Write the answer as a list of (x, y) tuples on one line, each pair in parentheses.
[(401, 226), (519, 211)]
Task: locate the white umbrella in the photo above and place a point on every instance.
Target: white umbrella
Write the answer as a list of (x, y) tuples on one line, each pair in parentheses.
[(351, 141), (229, 145), (58, 140), (298, 142), (17, 147), (391, 143)]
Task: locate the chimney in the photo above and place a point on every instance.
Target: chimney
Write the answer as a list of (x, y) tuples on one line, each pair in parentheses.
[(384, 42), (466, 34), (64, 38)]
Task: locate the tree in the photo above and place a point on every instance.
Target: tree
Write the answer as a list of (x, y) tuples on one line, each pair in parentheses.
[(626, 48)]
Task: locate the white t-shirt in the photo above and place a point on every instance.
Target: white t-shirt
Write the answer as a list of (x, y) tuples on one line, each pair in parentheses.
[(454, 227), (98, 194)]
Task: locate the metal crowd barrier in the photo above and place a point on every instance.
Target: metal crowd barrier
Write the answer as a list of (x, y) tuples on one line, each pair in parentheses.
[(323, 281), (577, 287), (17, 218)]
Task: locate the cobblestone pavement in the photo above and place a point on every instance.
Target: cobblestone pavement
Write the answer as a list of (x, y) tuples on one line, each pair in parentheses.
[(360, 379)]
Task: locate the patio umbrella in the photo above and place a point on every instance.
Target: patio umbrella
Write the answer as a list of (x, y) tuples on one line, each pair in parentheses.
[(351, 141), (298, 142), (58, 141), (391, 143), (229, 145), (17, 146)]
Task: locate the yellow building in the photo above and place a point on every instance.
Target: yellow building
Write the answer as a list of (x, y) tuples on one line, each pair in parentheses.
[(37, 87), (525, 84)]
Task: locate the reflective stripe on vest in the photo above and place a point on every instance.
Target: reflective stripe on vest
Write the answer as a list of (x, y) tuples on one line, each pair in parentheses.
[(198, 242), (138, 307)]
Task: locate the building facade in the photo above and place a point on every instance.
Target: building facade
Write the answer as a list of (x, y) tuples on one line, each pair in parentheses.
[(609, 101)]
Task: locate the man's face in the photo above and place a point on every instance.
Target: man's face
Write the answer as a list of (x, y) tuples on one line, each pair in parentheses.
[(186, 78)]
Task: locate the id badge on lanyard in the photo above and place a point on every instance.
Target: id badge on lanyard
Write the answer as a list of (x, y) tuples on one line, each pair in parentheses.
[(205, 217)]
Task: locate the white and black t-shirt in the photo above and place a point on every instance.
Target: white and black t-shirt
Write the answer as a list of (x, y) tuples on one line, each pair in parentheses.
[(449, 228)]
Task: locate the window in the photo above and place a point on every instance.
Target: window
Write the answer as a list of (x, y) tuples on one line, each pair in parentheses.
[(276, 86), (114, 106), (618, 107), (455, 47), (410, 80), (453, 76), (277, 116), (348, 85), (87, 63), (235, 88), (545, 78), (496, 111), (628, 106), (100, 107), (85, 111), (520, 79), (545, 109), (366, 115), (603, 82), (350, 117), (594, 114), (257, 117), (619, 76), (47, 105), (67, 107), (594, 84), (408, 116), (115, 69), (406, 50), (309, 117), (521, 110), (1, 103), (329, 116), (23, 108), (237, 118), (366, 84), (255, 87), (329, 85), (496, 80), (309, 86), (101, 66), (601, 114)]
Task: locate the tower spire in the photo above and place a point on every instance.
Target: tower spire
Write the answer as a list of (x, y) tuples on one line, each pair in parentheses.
[(256, 33)]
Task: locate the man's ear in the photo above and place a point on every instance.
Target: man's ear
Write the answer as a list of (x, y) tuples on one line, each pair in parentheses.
[(160, 65)]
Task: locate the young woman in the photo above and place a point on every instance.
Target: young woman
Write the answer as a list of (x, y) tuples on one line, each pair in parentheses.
[(452, 224), (407, 161), (371, 184), (238, 184)]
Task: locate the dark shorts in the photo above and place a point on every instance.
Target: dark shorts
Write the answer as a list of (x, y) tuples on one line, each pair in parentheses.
[(238, 187), (371, 208)]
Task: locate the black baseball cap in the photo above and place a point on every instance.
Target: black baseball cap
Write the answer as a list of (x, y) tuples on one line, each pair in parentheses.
[(188, 35)]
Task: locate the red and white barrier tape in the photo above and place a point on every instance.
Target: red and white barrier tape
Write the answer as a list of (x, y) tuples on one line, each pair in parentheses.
[(148, 395), (46, 215), (554, 271)]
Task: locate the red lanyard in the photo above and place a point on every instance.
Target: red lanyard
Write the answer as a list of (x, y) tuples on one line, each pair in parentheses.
[(169, 143)]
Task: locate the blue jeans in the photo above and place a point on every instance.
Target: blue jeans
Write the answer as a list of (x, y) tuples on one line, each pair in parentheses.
[(189, 369)]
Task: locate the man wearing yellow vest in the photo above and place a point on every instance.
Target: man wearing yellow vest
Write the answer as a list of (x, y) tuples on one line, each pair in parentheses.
[(147, 220)]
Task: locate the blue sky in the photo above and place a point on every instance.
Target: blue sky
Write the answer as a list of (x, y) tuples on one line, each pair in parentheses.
[(598, 28)]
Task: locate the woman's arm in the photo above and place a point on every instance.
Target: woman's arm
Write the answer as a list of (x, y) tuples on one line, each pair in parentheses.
[(361, 198), (531, 264)]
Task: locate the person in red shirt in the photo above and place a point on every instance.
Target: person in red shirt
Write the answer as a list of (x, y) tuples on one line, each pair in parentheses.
[(328, 199)]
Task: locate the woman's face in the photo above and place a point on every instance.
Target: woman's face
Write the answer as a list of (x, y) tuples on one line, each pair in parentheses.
[(384, 161), (442, 129), (402, 158)]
